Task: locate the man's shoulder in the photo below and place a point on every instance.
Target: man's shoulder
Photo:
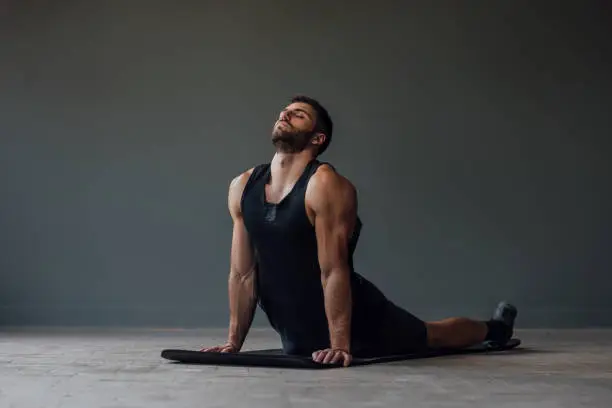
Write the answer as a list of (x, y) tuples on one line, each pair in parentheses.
[(328, 185), (328, 178), (238, 185), (241, 179)]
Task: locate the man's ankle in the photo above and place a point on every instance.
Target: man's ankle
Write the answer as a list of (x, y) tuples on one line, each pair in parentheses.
[(498, 331)]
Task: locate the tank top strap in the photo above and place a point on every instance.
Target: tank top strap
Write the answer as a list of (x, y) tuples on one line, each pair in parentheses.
[(256, 176), (321, 163), (260, 170), (310, 170)]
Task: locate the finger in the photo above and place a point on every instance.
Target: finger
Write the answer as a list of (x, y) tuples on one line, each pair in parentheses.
[(319, 356), (328, 357), (348, 359), (339, 356)]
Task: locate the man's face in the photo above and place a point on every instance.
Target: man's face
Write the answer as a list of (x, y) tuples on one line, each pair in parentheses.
[(293, 130)]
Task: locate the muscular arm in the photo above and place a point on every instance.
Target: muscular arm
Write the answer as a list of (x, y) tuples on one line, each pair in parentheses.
[(333, 201), (241, 282)]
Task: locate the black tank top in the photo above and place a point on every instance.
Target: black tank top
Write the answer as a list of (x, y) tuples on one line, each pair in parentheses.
[(288, 274)]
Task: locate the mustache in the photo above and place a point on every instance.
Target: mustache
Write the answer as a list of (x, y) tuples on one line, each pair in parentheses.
[(285, 122)]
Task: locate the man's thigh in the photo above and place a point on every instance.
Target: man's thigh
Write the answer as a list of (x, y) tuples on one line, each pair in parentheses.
[(398, 332)]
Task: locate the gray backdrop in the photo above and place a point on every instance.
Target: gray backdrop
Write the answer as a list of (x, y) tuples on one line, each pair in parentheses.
[(476, 134)]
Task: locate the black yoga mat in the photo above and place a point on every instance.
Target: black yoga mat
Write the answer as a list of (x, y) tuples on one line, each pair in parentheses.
[(276, 358)]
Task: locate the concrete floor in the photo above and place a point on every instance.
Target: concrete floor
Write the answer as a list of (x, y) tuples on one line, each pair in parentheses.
[(122, 368)]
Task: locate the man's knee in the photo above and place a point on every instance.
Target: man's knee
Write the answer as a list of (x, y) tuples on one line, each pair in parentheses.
[(435, 334)]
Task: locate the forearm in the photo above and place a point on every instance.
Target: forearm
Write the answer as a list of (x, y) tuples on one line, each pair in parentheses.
[(338, 306), (242, 303)]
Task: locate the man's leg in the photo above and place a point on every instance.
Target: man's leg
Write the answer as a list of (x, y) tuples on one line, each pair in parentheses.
[(461, 332), (455, 332)]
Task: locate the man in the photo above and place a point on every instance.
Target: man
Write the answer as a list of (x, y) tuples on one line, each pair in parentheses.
[(295, 227)]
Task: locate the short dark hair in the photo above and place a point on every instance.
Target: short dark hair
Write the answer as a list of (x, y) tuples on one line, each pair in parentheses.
[(323, 122)]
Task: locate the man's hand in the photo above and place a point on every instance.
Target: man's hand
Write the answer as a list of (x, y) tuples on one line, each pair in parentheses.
[(225, 348), (332, 356)]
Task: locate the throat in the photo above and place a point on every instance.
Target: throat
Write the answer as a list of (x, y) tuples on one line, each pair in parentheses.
[(285, 172)]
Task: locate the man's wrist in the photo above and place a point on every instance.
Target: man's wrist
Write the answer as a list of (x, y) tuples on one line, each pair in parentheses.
[(341, 347), (232, 340)]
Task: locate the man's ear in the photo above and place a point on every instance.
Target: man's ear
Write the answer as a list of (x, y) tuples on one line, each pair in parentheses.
[(318, 139)]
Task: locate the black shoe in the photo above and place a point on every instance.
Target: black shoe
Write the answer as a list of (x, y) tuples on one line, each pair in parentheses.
[(505, 313)]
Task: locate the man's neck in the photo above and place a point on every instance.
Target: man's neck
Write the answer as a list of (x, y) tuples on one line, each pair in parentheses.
[(286, 168)]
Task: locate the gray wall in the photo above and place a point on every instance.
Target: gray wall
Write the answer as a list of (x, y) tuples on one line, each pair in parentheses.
[(478, 137)]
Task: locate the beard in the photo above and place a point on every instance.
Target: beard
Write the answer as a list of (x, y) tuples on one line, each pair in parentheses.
[(291, 140)]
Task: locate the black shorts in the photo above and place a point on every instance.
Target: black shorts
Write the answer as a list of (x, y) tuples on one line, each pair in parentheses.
[(397, 332)]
